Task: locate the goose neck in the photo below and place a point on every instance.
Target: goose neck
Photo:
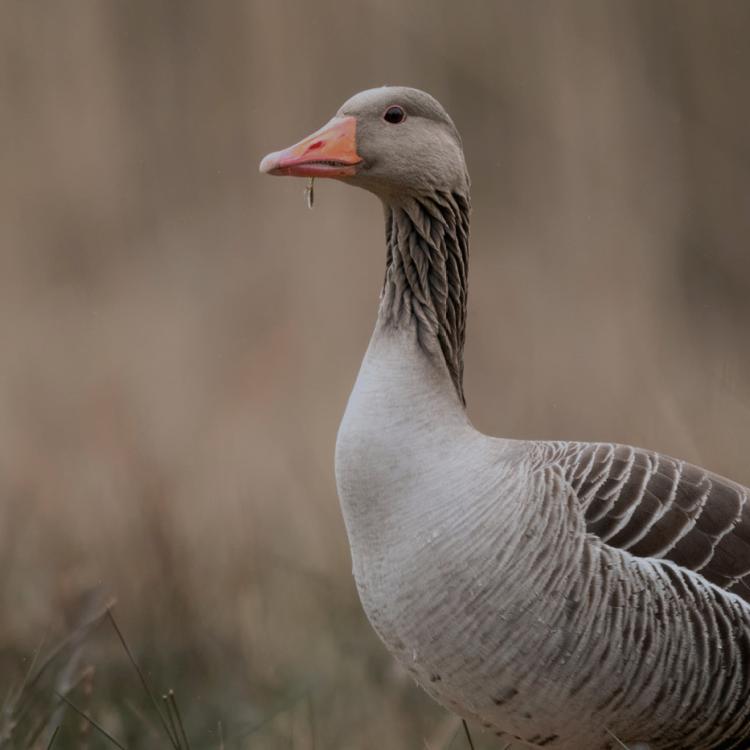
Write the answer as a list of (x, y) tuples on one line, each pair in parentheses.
[(427, 244)]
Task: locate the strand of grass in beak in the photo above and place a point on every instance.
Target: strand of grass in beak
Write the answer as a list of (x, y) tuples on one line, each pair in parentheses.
[(619, 742)]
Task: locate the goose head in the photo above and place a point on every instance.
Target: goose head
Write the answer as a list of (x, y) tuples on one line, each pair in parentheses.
[(393, 141)]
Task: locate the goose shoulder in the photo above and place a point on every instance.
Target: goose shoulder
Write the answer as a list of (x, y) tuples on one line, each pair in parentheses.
[(656, 506)]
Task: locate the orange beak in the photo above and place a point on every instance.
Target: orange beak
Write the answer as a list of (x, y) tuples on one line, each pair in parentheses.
[(329, 152)]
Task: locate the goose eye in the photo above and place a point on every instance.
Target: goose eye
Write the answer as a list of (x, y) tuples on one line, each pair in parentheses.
[(394, 115)]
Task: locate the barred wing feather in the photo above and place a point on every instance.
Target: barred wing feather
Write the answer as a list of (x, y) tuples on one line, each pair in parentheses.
[(656, 506)]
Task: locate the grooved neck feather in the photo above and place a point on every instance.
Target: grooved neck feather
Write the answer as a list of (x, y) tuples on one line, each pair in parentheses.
[(427, 265)]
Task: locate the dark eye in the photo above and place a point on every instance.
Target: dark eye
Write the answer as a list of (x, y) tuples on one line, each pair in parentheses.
[(394, 115)]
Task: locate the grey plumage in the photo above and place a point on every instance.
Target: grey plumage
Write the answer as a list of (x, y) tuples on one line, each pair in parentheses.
[(565, 594), (657, 506), (427, 264)]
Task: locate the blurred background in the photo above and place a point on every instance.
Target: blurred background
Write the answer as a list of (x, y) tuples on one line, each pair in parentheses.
[(178, 334)]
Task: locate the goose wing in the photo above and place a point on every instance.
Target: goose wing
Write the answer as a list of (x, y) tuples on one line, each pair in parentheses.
[(656, 506)]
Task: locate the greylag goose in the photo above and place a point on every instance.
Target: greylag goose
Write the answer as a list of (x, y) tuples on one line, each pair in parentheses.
[(569, 595)]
